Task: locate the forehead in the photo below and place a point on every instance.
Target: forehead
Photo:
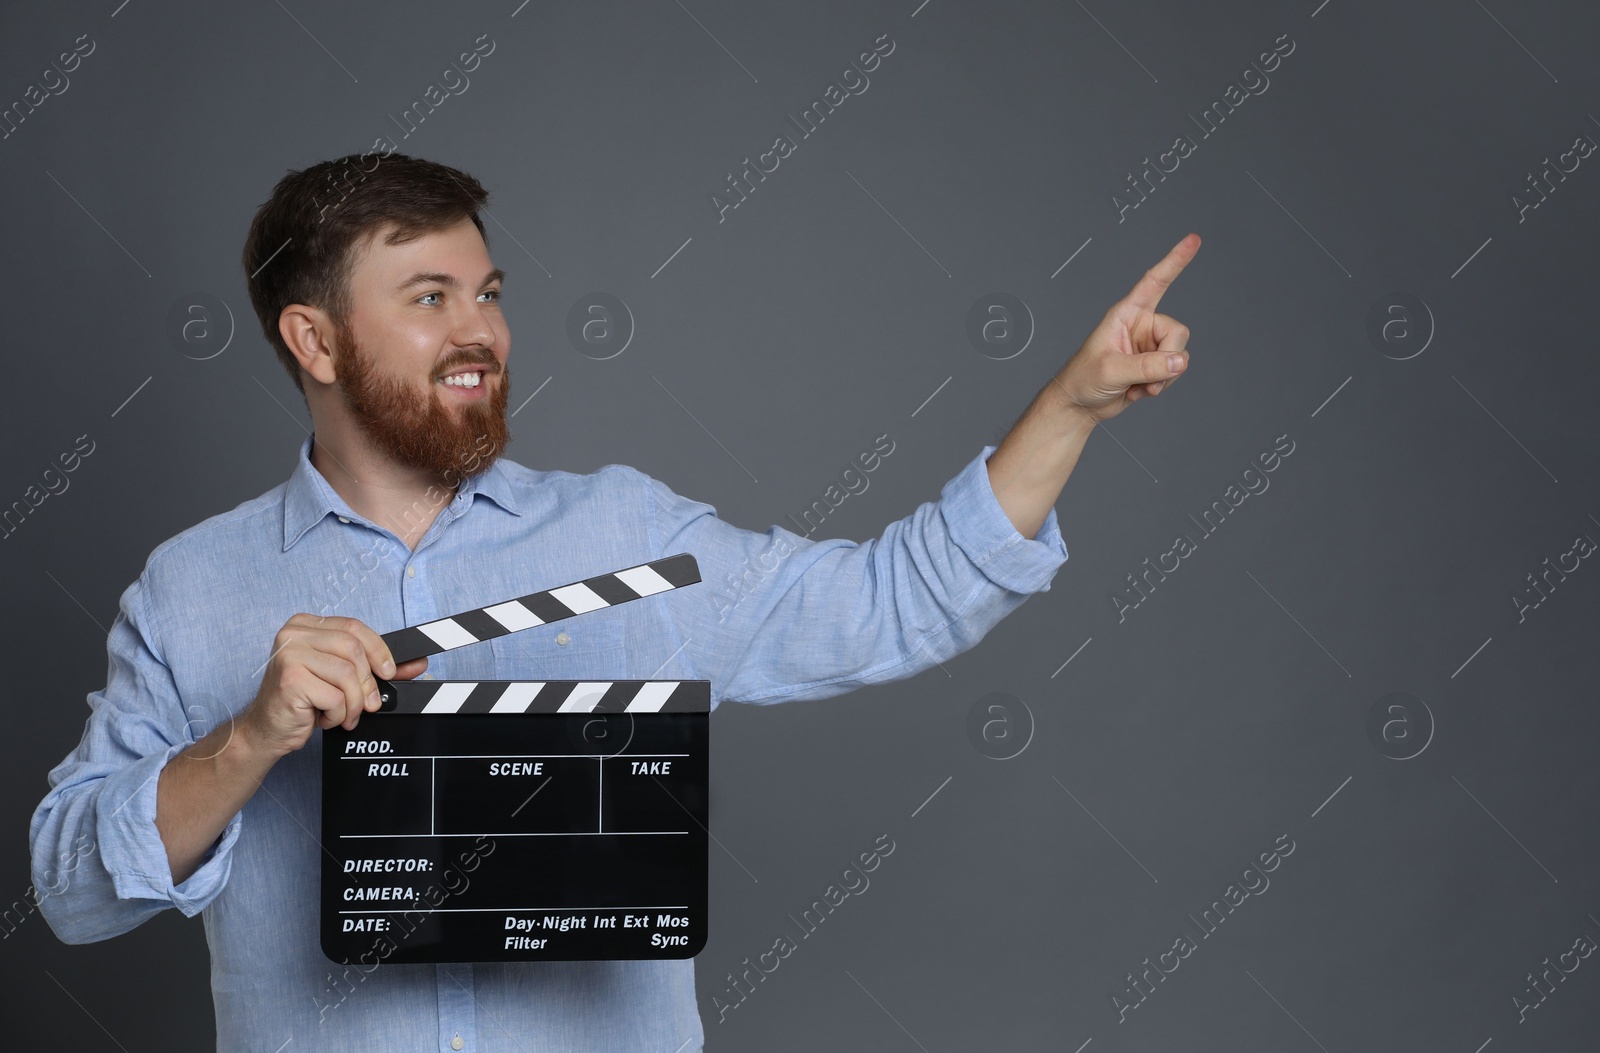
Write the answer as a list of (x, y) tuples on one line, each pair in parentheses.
[(457, 249)]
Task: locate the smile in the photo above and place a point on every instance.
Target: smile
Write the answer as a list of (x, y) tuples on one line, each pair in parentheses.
[(463, 380)]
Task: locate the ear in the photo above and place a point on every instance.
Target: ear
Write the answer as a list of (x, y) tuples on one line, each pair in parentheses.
[(308, 331)]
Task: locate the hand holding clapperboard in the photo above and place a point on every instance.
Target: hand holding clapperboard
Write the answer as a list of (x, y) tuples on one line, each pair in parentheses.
[(515, 820)]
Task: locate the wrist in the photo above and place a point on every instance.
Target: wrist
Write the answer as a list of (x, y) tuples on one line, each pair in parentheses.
[(249, 748), (1076, 421), (1065, 413)]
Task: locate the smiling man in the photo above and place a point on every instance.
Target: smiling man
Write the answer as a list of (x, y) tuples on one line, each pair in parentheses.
[(198, 774)]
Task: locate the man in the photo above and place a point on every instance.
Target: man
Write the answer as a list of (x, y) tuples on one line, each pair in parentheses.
[(198, 772)]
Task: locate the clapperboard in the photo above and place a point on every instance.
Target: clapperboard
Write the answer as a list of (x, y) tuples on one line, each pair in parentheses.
[(511, 820)]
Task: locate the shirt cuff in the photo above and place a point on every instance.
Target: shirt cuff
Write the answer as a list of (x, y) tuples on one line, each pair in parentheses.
[(131, 846), (984, 532)]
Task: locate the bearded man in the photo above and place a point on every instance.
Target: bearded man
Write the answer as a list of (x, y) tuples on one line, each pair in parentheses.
[(198, 775)]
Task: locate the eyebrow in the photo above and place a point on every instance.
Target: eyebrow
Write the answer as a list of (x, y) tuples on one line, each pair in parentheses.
[(446, 280)]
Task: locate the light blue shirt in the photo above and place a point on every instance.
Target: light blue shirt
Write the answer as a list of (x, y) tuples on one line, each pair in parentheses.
[(776, 617)]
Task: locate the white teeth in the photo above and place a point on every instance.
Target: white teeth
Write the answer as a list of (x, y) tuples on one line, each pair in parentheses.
[(463, 380)]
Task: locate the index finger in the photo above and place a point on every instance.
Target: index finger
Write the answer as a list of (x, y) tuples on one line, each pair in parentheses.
[(379, 658), (1147, 291)]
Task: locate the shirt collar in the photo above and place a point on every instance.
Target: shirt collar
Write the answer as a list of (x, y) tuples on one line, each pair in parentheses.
[(308, 498)]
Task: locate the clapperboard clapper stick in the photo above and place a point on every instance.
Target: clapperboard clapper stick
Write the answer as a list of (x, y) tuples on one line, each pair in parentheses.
[(520, 820)]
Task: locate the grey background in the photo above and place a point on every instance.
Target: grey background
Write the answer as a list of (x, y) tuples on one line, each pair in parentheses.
[(1227, 709)]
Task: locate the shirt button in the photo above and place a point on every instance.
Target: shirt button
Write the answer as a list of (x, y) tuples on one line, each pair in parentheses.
[(456, 1043), (411, 572), (563, 639), (342, 519)]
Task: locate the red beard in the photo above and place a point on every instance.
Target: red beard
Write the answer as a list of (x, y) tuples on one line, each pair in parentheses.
[(418, 430)]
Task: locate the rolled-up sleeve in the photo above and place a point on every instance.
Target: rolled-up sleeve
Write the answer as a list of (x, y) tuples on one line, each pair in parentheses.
[(99, 863), (783, 617)]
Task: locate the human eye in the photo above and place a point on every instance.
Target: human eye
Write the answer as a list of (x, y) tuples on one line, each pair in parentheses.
[(424, 296), (491, 292)]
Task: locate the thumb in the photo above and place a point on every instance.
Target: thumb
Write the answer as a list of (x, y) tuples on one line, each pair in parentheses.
[(410, 670), (1148, 367)]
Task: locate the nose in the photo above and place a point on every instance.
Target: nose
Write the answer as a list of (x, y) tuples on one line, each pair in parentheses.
[(473, 328)]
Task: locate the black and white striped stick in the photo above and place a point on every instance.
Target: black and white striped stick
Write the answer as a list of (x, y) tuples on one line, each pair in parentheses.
[(542, 608), (512, 697)]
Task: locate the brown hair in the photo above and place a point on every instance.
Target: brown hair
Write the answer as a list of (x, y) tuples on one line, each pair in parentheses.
[(300, 248)]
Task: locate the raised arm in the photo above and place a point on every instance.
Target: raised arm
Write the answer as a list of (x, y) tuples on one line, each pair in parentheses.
[(785, 617)]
